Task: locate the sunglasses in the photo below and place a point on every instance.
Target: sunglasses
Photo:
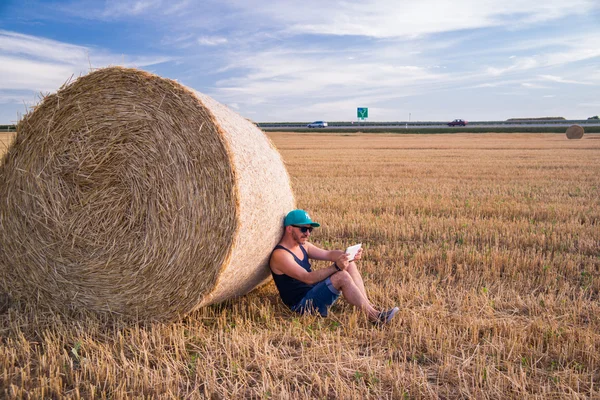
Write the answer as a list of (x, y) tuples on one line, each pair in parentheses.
[(304, 229)]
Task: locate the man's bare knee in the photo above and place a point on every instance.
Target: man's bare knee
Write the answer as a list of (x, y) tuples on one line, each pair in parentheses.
[(352, 266), (340, 279)]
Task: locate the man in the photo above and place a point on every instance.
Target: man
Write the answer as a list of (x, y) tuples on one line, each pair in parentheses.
[(304, 290)]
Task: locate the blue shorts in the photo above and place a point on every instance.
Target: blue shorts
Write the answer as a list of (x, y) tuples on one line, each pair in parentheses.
[(319, 298)]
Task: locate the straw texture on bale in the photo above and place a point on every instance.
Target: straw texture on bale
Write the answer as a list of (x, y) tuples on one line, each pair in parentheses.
[(575, 132), (128, 193)]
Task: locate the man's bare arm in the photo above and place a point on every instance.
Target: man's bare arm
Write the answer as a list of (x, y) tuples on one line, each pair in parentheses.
[(283, 263), (317, 253)]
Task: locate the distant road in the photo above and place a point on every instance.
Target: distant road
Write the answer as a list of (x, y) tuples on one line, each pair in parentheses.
[(270, 126), (432, 125)]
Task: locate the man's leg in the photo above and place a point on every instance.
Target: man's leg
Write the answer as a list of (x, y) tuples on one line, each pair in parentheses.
[(318, 299), (357, 278), (344, 282)]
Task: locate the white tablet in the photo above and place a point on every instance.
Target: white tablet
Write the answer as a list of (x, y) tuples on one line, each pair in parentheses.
[(352, 250)]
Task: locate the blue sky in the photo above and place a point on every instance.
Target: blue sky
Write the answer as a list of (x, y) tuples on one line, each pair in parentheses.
[(309, 60)]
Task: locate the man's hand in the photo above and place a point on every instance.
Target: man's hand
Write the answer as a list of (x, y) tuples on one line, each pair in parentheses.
[(342, 261), (358, 254)]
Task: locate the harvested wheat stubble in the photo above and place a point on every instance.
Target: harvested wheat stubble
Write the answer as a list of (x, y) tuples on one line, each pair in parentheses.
[(128, 193), (575, 132)]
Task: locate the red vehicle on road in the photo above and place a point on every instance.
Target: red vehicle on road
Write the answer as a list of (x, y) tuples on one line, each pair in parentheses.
[(458, 122)]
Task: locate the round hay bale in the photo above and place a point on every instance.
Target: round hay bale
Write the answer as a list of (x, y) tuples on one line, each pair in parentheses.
[(575, 132), (128, 193)]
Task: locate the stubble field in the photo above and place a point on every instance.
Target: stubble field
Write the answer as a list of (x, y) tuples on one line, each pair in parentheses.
[(488, 243)]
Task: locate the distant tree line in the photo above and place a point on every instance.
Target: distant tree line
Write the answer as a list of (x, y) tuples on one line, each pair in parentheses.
[(537, 119), (8, 128)]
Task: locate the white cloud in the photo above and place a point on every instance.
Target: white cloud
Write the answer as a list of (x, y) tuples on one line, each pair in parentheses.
[(314, 55), (551, 52), (370, 18), (18, 97), (533, 85), (389, 18), (119, 8), (181, 41), (24, 74), (212, 40), (41, 65), (518, 65), (311, 81), (488, 85), (114, 9), (40, 48), (559, 79)]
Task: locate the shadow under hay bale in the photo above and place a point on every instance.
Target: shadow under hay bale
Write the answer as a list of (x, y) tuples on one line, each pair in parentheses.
[(575, 132), (128, 193)]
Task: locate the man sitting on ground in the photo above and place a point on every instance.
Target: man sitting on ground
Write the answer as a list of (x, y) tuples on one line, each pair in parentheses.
[(304, 290)]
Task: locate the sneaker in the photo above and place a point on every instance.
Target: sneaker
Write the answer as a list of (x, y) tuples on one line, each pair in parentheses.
[(385, 317)]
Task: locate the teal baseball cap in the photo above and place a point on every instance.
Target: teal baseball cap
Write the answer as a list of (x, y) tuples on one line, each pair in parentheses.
[(299, 217)]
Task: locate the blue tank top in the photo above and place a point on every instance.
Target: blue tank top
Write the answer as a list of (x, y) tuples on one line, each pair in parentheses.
[(292, 290)]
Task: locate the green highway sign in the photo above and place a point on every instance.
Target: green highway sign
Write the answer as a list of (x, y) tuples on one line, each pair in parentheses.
[(362, 112)]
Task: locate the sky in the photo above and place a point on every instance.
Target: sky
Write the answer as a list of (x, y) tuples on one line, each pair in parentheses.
[(300, 61)]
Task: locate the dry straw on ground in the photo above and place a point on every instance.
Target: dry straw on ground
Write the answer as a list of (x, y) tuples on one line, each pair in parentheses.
[(575, 132), (128, 193), (489, 243)]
